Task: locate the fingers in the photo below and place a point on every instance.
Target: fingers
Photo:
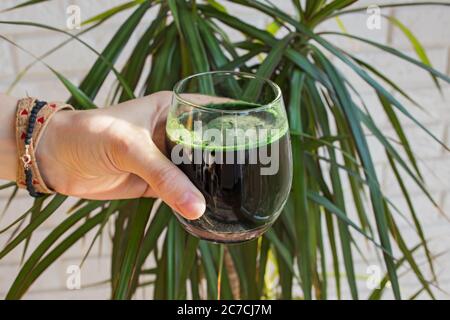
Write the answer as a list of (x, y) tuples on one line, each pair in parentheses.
[(165, 179), (128, 186)]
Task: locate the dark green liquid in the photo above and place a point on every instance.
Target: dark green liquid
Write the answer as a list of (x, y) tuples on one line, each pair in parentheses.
[(241, 203)]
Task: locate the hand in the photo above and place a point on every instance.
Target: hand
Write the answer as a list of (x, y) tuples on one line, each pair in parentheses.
[(116, 153)]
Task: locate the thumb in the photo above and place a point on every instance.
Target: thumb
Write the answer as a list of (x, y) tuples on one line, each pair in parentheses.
[(165, 179)]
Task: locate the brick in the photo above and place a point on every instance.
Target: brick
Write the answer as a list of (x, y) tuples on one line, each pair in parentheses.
[(355, 24), (6, 56), (437, 173), (74, 56), (5, 193), (448, 62), (96, 293), (23, 202), (49, 89), (102, 246), (403, 73), (4, 85), (99, 37), (391, 187), (37, 237), (249, 15), (7, 275), (13, 258), (19, 205), (100, 250), (427, 213), (376, 149), (353, 78), (446, 204), (446, 137), (375, 109), (50, 279), (93, 270), (93, 8), (423, 145), (418, 21), (48, 13), (435, 106)]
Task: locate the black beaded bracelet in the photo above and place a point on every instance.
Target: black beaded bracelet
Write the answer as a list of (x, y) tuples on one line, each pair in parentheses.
[(38, 105)]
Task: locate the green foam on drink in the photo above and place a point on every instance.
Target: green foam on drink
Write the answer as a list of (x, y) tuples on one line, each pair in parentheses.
[(251, 126)]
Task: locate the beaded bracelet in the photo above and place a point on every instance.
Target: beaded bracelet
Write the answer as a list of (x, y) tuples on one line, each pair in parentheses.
[(31, 119)]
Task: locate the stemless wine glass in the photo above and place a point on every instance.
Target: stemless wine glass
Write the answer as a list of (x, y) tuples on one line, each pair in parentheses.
[(228, 132)]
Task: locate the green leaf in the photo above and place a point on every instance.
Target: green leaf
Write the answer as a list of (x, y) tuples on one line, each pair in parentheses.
[(414, 215), (326, 11), (48, 210), (105, 60), (190, 254), (55, 254), (364, 154), (10, 198), (272, 60), (24, 4), (20, 283), (94, 79), (210, 270), (7, 185), (111, 12), (273, 27), (147, 43), (37, 207), (299, 187), (217, 5), (176, 17), (156, 227), (128, 267), (191, 35), (392, 5), (388, 49), (78, 96), (165, 64), (83, 101), (385, 79), (417, 46)]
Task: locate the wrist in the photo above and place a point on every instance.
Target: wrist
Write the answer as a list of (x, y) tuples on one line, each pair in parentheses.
[(47, 148)]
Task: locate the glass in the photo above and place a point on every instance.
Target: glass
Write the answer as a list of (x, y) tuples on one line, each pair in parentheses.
[(228, 132)]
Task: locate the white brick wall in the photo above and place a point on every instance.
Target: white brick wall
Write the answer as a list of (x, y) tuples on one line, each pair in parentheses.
[(429, 24)]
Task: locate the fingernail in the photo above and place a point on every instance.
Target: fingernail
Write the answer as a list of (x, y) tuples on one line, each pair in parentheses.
[(191, 206)]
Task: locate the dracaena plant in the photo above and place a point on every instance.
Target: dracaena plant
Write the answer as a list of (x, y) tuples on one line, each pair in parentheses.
[(336, 196)]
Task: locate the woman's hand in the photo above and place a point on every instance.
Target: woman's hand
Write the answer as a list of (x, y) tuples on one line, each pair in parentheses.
[(116, 153)]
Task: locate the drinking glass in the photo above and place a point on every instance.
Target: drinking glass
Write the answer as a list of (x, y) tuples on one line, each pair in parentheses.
[(228, 132)]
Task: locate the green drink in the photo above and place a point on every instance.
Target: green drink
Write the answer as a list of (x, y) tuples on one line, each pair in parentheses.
[(237, 153)]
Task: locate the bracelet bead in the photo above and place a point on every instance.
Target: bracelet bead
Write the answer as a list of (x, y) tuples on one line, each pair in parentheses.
[(31, 124)]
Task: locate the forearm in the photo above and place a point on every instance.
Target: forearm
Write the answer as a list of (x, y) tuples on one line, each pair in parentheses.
[(8, 150)]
